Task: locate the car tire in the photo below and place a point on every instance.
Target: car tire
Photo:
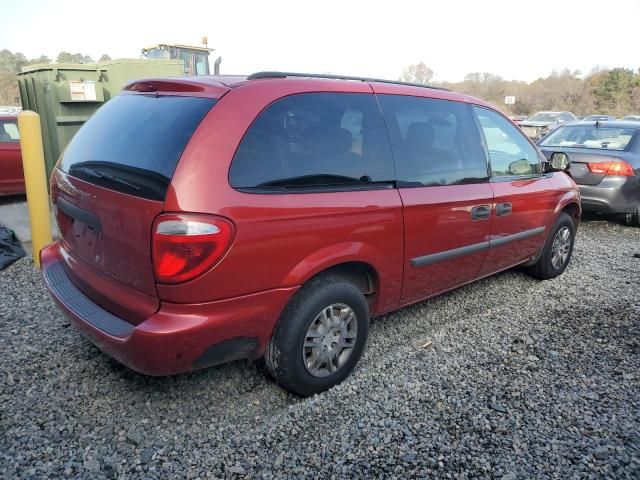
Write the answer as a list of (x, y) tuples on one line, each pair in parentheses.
[(632, 219), (320, 337), (557, 250)]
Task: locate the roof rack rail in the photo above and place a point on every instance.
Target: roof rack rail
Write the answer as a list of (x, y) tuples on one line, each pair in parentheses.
[(259, 75)]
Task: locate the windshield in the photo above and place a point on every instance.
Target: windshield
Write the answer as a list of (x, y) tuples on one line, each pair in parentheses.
[(590, 136), (594, 118), (543, 117)]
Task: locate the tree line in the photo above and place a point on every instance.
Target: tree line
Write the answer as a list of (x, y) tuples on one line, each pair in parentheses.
[(610, 91), (613, 91), (11, 64)]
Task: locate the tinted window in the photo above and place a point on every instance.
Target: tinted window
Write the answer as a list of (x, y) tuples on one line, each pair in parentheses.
[(315, 140), (510, 152), (435, 142), (9, 131), (133, 143)]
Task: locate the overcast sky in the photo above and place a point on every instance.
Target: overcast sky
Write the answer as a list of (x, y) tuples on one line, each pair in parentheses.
[(515, 39)]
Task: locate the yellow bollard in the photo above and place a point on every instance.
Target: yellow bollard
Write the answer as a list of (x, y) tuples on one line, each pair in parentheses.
[(35, 179)]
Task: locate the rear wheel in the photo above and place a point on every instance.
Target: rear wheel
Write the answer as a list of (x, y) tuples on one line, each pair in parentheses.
[(320, 336), (557, 250)]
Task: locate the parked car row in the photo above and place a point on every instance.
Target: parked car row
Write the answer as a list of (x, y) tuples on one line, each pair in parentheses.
[(538, 125)]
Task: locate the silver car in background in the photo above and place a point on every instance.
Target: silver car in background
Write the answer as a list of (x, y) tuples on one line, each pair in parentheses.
[(605, 163), (541, 123)]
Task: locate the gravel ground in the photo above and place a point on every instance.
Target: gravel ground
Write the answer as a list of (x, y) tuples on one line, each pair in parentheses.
[(507, 378)]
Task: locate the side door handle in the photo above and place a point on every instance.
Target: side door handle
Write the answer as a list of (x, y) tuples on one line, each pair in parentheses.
[(503, 209), (481, 212)]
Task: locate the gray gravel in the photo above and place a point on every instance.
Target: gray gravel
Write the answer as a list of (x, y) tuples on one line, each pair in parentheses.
[(507, 378)]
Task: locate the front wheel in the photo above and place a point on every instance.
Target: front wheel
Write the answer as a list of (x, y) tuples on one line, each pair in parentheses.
[(557, 250), (320, 337)]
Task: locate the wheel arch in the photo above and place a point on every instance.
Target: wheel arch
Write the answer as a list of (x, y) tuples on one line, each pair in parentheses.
[(354, 262), (573, 210)]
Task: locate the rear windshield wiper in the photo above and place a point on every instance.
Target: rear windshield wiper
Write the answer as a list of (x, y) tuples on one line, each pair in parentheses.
[(138, 181), (102, 175)]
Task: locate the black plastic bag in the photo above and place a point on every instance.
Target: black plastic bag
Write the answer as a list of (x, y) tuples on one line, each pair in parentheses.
[(10, 248)]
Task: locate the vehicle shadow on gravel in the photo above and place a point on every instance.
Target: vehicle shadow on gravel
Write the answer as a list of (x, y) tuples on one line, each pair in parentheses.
[(243, 382)]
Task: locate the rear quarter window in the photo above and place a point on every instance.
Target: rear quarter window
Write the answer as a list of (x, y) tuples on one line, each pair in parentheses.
[(134, 142), (315, 141)]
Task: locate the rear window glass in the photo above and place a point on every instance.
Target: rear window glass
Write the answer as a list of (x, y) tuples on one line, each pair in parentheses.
[(133, 143), (9, 131), (590, 136), (315, 140)]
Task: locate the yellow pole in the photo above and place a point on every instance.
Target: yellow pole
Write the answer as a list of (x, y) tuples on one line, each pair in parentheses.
[(35, 179)]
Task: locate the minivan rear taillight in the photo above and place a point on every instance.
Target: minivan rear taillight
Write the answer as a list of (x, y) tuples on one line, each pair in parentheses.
[(185, 245), (612, 167)]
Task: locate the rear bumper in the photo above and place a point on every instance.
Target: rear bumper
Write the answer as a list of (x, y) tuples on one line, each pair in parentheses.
[(611, 195), (178, 337)]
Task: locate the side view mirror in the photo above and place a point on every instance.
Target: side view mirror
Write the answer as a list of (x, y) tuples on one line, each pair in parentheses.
[(559, 162)]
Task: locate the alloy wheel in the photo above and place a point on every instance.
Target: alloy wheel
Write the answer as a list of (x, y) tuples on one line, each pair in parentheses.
[(560, 248), (330, 339)]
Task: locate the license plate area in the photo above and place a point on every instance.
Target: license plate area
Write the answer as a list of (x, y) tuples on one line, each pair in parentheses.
[(81, 230), (85, 239)]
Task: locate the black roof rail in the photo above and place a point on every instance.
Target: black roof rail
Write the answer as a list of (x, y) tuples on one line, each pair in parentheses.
[(259, 75)]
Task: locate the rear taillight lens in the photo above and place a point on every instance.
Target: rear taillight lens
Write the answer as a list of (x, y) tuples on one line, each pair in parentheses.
[(186, 246), (612, 167)]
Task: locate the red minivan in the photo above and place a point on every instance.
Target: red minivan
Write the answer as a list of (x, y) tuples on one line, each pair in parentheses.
[(210, 219)]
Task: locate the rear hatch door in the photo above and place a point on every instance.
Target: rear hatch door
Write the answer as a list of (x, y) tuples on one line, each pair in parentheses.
[(110, 184)]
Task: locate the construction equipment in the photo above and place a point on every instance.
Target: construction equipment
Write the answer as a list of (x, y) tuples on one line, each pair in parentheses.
[(196, 59)]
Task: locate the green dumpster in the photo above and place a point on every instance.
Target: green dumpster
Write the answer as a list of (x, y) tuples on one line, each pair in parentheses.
[(66, 95)]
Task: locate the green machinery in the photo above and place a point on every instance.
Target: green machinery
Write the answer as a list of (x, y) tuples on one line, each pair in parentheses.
[(196, 59)]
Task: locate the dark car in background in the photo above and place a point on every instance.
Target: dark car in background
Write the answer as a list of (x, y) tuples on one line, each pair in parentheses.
[(541, 123), (605, 163), (598, 118), (11, 176)]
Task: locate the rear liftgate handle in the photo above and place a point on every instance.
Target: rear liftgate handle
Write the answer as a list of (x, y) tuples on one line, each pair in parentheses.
[(503, 209), (481, 212)]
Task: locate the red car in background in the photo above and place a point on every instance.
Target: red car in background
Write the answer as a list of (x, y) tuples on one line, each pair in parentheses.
[(11, 176)]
